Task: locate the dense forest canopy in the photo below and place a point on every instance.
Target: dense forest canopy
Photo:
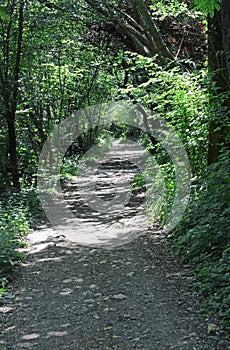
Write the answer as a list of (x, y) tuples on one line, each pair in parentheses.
[(172, 57), (53, 55)]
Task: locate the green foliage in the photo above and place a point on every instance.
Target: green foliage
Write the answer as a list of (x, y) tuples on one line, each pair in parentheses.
[(69, 167), (164, 8), (180, 98), (214, 283), (3, 13), (62, 70), (161, 191), (202, 238), (138, 181), (68, 62), (207, 6), (18, 212), (75, 158), (14, 225), (29, 200), (27, 166)]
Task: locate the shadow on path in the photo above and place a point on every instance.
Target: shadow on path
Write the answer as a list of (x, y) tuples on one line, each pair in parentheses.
[(77, 297)]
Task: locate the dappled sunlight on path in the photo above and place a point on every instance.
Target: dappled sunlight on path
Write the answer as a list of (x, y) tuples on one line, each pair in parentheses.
[(77, 295)]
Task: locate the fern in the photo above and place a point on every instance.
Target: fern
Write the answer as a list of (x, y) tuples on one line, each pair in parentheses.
[(208, 7)]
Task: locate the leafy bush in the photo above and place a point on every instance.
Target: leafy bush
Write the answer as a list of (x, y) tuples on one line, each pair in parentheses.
[(180, 98), (138, 181), (203, 238), (13, 225), (161, 191), (214, 283)]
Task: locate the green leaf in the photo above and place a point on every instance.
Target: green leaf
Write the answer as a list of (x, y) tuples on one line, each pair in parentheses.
[(208, 7), (3, 13)]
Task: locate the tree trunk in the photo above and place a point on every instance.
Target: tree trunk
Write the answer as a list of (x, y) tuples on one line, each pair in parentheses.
[(13, 101), (155, 42), (225, 17), (138, 26), (219, 75), (13, 151)]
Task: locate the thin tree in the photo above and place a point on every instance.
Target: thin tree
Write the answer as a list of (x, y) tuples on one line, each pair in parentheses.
[(9, 81)]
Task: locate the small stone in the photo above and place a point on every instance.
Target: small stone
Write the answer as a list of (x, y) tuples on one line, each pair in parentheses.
[(119, 296), (212, 329), (103, 262), (130, 274), (97, 295), (89, 301)]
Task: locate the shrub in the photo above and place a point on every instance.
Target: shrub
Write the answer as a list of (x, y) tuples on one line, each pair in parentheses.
[(13, 225), (203, 238)]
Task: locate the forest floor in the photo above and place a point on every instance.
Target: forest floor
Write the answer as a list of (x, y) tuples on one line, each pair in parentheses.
[(78, 296)]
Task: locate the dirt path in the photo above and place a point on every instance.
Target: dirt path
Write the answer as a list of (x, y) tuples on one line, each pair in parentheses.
[(78, 297)]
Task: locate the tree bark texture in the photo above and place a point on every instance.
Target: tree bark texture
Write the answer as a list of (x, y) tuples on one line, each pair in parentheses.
[(139, 27), (225, 18), (219, 74), (13, 100)]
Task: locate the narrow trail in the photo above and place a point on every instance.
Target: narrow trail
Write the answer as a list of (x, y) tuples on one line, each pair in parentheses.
[(76, 296)]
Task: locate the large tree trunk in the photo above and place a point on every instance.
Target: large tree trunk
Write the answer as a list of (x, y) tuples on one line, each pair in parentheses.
[(219, 74)]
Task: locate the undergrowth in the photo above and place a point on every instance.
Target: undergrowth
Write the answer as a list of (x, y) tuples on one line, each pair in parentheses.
[(17, 213), (202, 238)]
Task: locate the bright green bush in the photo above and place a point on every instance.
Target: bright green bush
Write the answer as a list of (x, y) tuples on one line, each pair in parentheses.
[(161, 191), (180, 98)]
